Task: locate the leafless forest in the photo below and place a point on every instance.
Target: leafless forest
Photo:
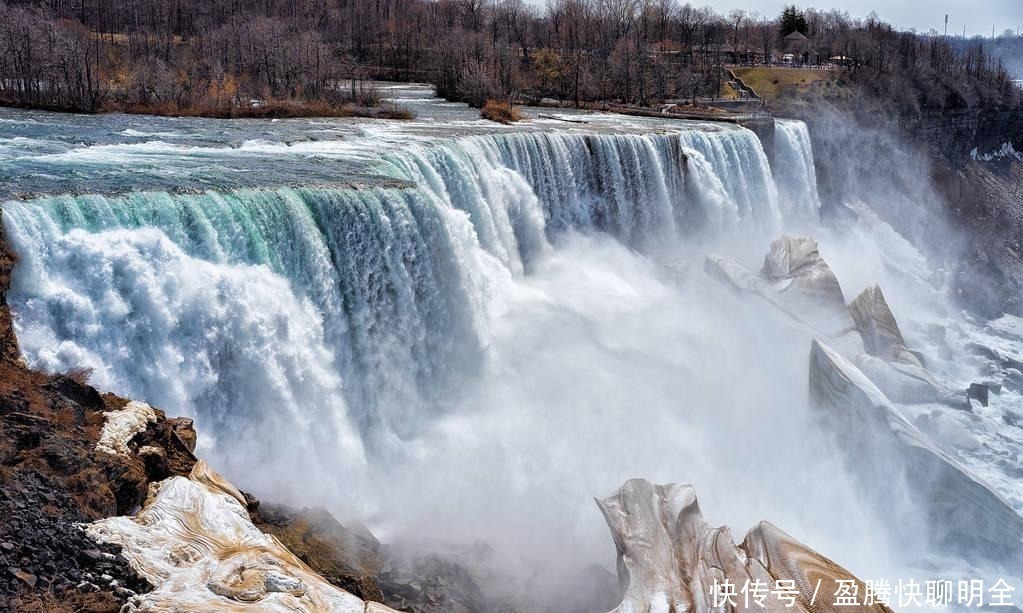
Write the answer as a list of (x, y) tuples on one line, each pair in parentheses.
[(218, 56)]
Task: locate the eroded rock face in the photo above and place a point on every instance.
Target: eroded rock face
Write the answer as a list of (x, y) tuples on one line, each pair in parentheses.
[(52, 477), (805, 280), (123, 425), (796, 280), (194, 541), (671, 558), (888, 362), (876, 323), (963, 515)]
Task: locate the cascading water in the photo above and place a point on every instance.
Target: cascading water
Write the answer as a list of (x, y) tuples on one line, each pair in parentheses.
[(388, 284), (466, 338)]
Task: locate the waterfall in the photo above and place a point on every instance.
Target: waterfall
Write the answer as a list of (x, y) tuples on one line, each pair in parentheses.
[(795, 174), (342, 317)]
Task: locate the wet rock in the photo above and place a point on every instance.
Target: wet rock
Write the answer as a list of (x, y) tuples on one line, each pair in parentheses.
[(799, 272), (184, 429), (898, 371), (978, 392), (877, 325), (345, 557), (908, 383)]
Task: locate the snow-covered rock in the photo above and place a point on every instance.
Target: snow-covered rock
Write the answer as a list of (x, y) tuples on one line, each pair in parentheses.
[(795, 279), (888, 362), (877, 325), (194, 542), (122, 426), (795, 265), (962, 513), (671, 559)]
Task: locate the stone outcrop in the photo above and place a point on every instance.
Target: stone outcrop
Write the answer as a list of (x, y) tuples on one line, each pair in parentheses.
[(888, 362), (195, 543), (963, 515), (346, 558), (355, 561), (671, 559), (876, 323), (796, 280), (801, 274)]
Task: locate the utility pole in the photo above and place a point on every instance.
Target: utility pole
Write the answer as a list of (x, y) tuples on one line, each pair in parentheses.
[(946, 25)]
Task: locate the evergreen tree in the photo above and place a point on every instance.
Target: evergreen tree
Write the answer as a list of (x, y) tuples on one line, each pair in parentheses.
[(792, 20)]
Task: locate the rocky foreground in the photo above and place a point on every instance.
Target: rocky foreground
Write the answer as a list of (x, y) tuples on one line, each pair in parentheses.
[(104, 506)]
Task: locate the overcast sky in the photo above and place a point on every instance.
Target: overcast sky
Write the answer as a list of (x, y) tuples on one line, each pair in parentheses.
[(976, 15)]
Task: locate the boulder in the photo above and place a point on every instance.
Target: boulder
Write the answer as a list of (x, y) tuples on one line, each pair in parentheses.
[(978, 392), (888, 362), (882, 337), (962, 514), (184, 429), (796, 280), (671, 559), (795, 265)]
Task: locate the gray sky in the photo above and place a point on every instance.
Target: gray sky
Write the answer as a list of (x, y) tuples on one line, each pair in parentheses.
[(977, 15)]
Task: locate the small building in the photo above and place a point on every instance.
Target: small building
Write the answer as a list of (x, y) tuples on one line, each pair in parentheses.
[(796, 40), (798, 46)]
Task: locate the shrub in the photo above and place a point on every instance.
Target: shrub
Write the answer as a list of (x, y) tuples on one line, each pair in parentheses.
[(501, 112)]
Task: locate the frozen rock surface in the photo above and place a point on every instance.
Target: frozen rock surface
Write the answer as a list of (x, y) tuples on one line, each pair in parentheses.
[(794, 278), (888, 362), (122, 426), (669, 557), (797, 261), (963, 514), (194, 542), (876, 323)]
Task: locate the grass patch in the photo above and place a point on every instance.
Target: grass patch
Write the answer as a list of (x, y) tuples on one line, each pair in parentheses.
[(774, 83)]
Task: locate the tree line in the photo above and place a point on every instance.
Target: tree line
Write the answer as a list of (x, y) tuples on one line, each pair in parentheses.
[(175, 55)]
